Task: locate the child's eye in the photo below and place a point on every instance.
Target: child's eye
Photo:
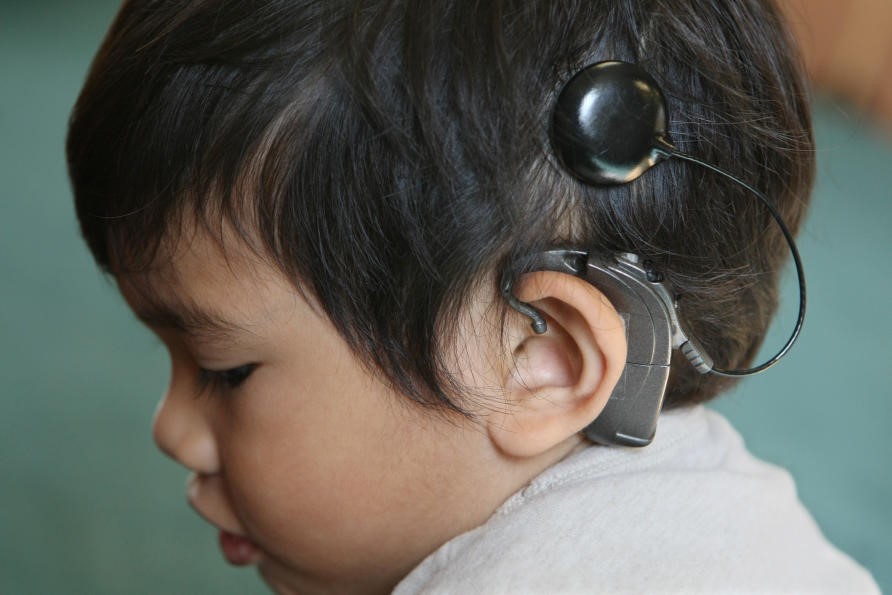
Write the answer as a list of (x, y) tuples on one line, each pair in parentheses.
[(225, 379)]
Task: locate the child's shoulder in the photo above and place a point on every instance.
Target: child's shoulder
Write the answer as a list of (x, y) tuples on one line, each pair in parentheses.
[(692, 512)]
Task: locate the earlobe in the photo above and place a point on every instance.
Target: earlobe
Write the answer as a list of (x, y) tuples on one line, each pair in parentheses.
[(557, 383)]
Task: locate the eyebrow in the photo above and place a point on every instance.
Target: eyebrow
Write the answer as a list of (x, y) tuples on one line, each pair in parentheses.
[(189, 318)]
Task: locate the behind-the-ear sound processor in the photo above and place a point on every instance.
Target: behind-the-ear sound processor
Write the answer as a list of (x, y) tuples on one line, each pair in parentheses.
[(609, 127)]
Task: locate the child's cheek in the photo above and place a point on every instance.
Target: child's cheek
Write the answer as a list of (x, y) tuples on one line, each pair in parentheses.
[(302, 469)]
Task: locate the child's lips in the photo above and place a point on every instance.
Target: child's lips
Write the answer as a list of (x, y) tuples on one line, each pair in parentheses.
[(207, 496), (238, 550)]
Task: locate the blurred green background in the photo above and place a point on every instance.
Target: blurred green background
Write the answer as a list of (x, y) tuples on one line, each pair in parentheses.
[(88, 506)]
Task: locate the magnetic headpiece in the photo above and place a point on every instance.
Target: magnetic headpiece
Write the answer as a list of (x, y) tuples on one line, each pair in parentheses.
[(609, 124)]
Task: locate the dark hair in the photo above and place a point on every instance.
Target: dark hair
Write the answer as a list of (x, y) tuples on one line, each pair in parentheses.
[(392, 154)]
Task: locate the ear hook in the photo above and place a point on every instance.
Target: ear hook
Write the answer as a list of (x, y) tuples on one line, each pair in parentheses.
[(609, 127), (538, 321)]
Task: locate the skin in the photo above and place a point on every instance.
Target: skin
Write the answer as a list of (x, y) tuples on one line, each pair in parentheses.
[(342, 484)]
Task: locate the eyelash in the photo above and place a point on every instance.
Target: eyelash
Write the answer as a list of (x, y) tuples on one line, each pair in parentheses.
[(223, 380)]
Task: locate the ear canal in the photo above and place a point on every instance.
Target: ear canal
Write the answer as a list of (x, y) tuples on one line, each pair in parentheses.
[(544, 361), (609, 124)]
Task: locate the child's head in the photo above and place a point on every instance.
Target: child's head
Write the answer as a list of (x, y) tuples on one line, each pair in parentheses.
[(390, 161)]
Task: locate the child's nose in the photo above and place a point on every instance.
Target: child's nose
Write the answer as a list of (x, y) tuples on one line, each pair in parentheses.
[(182, 430)]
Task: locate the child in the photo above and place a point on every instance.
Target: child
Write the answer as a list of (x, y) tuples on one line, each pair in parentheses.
[(315, 205)]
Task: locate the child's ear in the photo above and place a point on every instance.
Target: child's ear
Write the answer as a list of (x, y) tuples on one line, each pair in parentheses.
[(558, 382)]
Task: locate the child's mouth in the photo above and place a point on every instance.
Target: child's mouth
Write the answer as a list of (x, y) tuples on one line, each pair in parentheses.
[(238, 551)]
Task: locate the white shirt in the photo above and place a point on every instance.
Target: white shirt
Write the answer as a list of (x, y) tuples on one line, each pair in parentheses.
[(693, 512)]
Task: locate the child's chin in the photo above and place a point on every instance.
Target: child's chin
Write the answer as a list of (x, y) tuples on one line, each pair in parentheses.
[(283, 579), (279, 580)]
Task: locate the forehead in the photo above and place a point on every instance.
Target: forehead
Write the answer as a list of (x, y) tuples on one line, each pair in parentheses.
[(205, 285)]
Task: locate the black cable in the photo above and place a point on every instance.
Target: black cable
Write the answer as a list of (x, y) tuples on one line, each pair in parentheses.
[(800, 273)]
